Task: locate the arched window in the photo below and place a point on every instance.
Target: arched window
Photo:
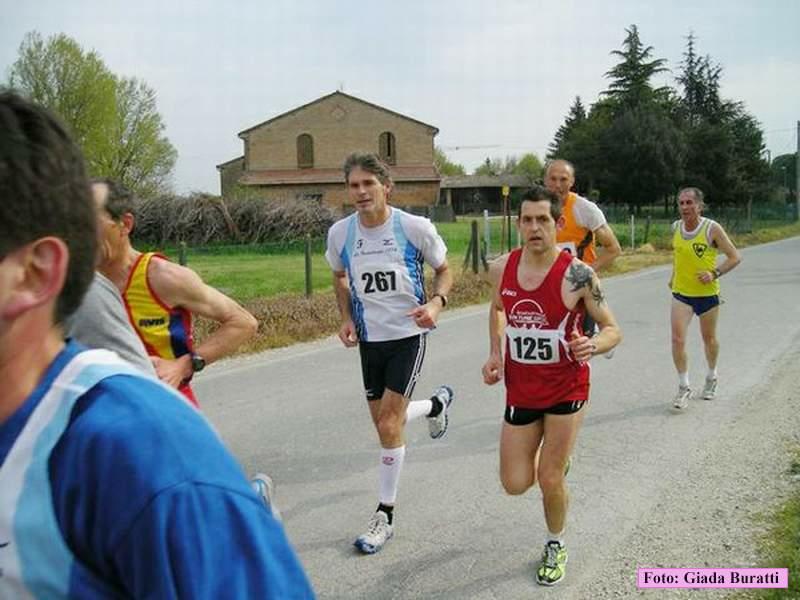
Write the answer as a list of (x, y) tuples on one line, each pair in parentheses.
[(305, 151), (387, 147)]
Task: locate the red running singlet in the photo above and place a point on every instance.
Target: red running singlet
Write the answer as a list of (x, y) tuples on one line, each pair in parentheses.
[(540, 370)]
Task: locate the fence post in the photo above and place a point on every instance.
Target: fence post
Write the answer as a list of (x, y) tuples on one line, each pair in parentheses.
[(647, 229), (182, 254), (487, 231), (750, 214), (633, 232), (508, 225), (308, 266), (474, 245)]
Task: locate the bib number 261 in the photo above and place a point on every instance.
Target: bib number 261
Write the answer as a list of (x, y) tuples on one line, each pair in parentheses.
[(379, 281)]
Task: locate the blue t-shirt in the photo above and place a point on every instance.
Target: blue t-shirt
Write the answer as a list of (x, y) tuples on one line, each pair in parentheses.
[(151, 503)]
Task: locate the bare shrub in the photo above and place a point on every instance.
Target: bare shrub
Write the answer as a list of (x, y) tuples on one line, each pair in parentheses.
[(202, 219)]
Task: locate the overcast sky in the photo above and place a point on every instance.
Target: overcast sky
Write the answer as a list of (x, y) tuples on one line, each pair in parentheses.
[(496, 74)]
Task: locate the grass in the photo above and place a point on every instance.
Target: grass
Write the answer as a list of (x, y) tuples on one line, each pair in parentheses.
[(248, 275), (780, 544)]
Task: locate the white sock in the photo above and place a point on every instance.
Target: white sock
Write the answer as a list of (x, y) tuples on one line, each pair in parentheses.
[(684, 379), (418, 408), (712, 373), (555, 537), (389, 473)]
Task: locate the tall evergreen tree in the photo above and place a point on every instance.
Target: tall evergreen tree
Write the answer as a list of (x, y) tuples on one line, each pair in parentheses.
[(630, 79), (638, 154), (643, 156), (575, 118), (725, 143)]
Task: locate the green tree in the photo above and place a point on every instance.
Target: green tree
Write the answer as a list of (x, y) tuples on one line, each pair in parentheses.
[(643, 152), (638, 151), (577, 141), (529, 165), (142, 158), (444, 165), (490, 166), (725, 143), (750, 172), (783, 172), (575, 118), (72, 83), (700, 79), (115, 120), (630, 78)]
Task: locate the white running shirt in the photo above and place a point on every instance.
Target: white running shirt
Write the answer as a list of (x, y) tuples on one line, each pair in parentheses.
[(587, 214), (384, 268)]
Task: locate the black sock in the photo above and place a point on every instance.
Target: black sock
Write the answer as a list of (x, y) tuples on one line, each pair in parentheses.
[(436, 407), (388, 510)]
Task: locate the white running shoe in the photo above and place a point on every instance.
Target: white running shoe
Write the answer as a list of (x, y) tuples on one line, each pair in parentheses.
[(265, 488), (710, 389), (681, 400), (437, 426), (379, 531)]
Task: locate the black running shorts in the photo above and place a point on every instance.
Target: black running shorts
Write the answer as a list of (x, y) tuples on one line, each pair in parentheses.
[(394, 364), (525, 416)]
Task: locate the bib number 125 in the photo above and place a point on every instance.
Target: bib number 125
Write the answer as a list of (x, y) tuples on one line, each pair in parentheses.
[(529, 348)]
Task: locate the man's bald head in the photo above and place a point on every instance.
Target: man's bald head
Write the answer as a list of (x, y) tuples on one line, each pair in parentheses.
[(559, 177)]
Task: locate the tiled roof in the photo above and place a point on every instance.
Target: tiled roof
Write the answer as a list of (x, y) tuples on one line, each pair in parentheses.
[(244, 132), (230, 162), (310, 176), (486, 181)]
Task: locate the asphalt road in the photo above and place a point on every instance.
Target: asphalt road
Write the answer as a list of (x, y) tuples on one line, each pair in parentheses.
[(299, 415)]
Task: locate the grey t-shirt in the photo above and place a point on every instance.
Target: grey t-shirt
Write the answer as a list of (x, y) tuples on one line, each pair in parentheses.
[(101, 322)]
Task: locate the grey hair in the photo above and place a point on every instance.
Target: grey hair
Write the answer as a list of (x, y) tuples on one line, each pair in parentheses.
[(698, 194)]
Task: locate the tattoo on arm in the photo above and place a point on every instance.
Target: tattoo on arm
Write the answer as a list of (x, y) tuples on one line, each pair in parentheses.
[(597, 294), (579, 276)]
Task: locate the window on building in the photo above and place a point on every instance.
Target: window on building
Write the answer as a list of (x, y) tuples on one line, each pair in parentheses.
[(387, 147), (311, 197), (305, 151)]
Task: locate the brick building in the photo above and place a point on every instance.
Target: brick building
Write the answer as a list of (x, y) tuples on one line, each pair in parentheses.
[(298, 155)]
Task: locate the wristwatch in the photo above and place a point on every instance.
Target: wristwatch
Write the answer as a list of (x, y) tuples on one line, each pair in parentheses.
[(443, 298), (198, 363), (717, 273)]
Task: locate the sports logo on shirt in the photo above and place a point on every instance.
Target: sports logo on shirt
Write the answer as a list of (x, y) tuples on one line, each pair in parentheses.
[(530, 340), (699, 249), (528, 314), (158, 321)]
